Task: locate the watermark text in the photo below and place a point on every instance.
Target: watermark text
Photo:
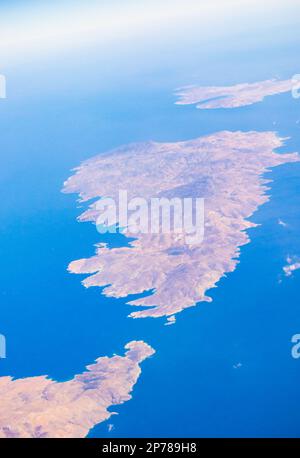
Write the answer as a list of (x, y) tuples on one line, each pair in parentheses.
[(157, 215)]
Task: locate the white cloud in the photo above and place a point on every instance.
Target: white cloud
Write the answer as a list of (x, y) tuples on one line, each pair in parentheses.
[(293, 264), (282, 223)]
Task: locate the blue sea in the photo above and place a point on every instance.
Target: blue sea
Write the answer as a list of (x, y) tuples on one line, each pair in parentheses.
[(56, 116)]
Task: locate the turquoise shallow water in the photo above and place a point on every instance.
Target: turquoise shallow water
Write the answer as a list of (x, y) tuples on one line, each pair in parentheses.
[(54, 326)]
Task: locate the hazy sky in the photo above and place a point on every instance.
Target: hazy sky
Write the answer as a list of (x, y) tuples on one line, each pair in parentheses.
[(34, 28)]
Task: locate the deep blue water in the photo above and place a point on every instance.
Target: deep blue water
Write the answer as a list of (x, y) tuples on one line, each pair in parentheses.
[(55, 326)]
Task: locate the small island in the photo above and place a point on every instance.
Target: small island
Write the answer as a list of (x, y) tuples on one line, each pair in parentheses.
[(239, 95)]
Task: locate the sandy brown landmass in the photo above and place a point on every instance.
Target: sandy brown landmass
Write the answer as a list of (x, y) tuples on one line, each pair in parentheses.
[(226, 168), (238, 95), (40, 407)]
